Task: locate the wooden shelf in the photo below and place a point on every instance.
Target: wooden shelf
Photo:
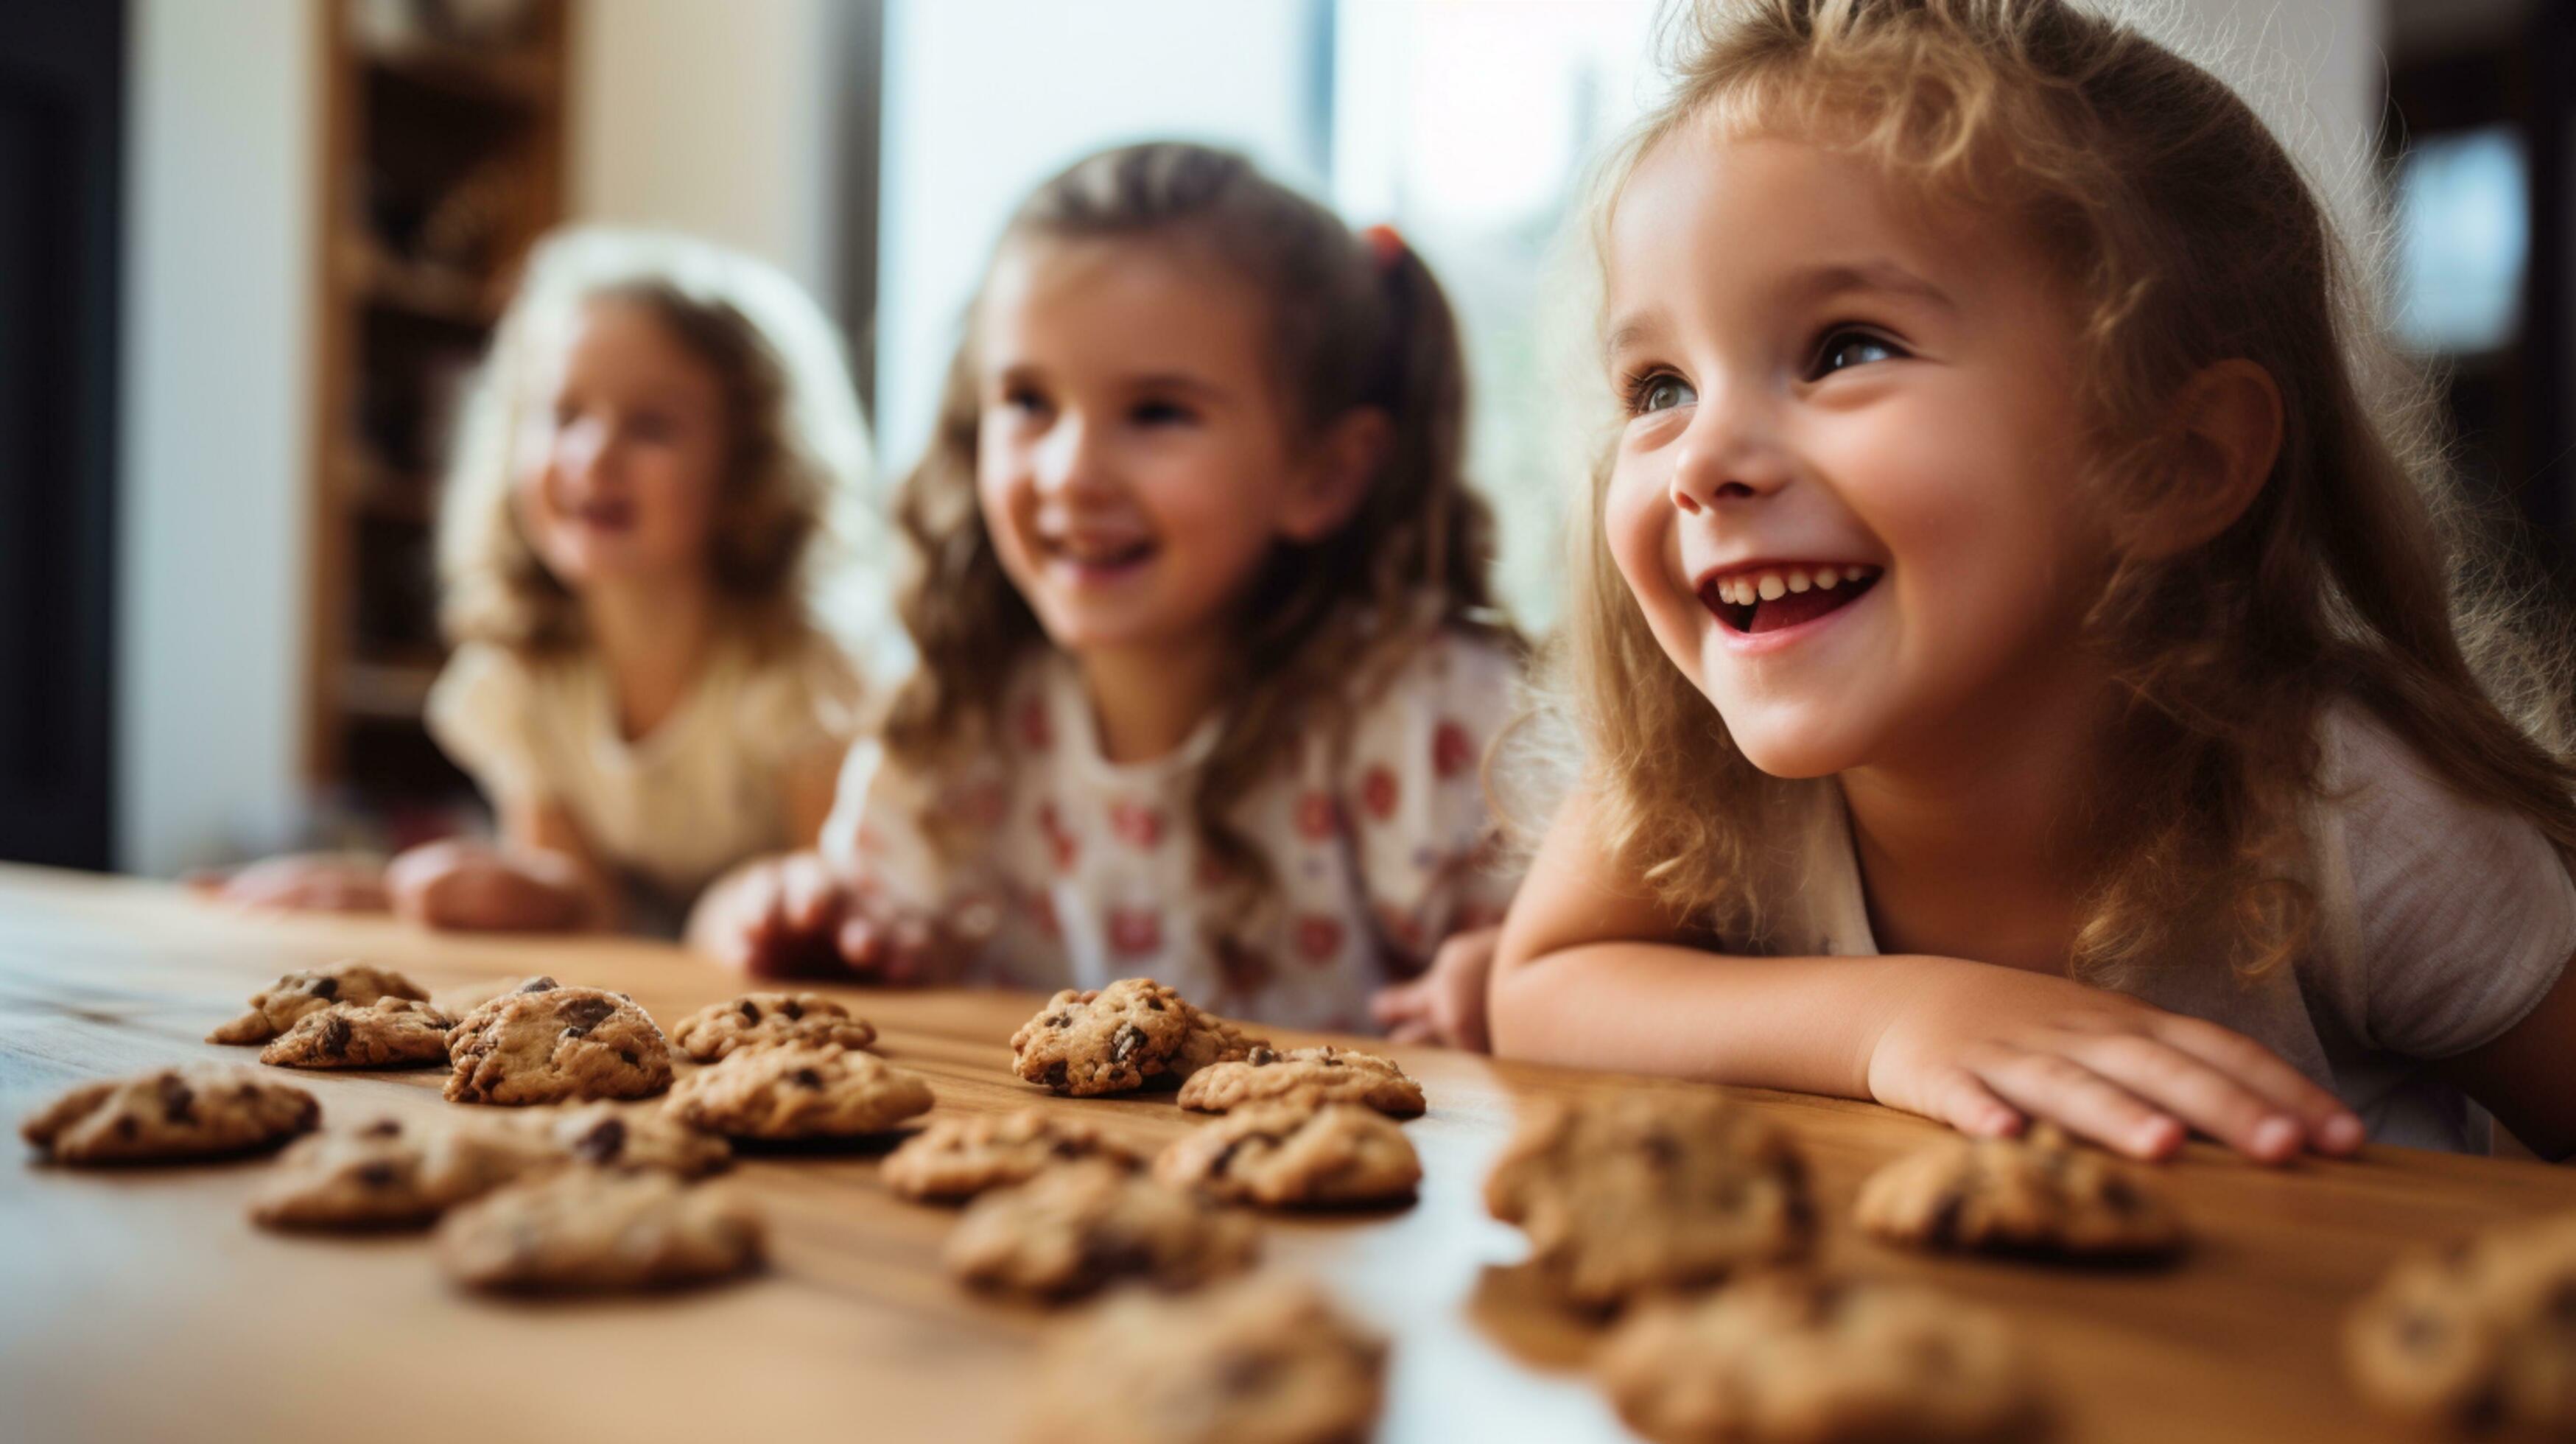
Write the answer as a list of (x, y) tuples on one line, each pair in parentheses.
[(395, 690), (529, 80), (419, 290)]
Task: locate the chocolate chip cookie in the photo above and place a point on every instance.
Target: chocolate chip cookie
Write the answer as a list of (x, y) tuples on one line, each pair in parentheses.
[(1083, 1224), (625, 1135), (1107, 1040), (2006, 1195), (2482, 1336), (957, 1158), (599, 1229), (1324, 1074), (275, 1008), (1266, 1360), (387, 1033), (1786, 1357), (1648, 1190), (391, 1174), (547, 1043), (1279, 1154), (756, 1019), (168, 1114), (800, 1090)]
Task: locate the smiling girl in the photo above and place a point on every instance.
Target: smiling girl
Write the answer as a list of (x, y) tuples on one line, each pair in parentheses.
[(1208, 659), (628, 544), (2015, 657)]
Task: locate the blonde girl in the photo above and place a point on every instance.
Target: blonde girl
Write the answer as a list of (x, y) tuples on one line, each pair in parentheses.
[(2024, 641), (628, 549), (1208, 658)]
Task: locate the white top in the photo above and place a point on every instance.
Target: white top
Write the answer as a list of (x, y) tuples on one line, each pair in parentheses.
[(1086, 871), (702, 791), (2442, 922)]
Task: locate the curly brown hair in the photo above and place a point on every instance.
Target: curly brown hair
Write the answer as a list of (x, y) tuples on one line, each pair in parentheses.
[(796, 453), (1352, 325), (2359, 571)]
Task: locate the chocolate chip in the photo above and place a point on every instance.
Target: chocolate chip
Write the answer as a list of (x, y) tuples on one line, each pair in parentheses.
[(806, 1078), (1154, 1003), (1060, 1020), (1661, 1150), (630, 1058), (1056, 1075), (750, 1011), (538, 985), (178, 1102), (335, 1035), (587, 1013), (2119, 1197), (125, 1126), (326, 987), (1943, 1231), (1260, 1057), (379, 1174), (1124, 1043), (603, 1143), (793, 1009), (1068, 1148), (381, 1128)]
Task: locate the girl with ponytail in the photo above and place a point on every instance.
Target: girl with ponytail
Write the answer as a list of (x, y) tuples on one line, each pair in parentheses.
[(1208, 657)]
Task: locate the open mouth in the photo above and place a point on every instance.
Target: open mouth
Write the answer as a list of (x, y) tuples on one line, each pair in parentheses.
[(604, 514), (1772, 598), (1098, 560)]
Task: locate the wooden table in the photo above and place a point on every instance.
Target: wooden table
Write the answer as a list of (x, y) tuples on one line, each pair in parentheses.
[(140, 1304)]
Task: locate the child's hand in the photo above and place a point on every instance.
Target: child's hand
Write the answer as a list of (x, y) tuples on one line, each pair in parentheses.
[(312, 882), (1988, 1049), (795, 914), (1447, 1003), (467, 886)]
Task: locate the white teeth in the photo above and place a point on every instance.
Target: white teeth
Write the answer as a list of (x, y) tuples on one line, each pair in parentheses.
[(1827, 578), (1771, 587), (1853, 574), (1797, 581)]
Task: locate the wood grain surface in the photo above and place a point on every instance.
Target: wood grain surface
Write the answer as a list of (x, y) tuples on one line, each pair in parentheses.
[(140, 1304)]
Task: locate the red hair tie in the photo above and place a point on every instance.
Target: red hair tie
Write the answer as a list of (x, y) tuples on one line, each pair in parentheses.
[(1384, 245)]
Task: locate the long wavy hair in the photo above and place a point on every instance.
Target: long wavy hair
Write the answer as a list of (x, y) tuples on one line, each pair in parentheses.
[(796, 458), (1354, 322), (2359, 572)]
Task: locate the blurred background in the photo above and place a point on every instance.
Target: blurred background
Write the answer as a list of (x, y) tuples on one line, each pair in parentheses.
[(251, 249)]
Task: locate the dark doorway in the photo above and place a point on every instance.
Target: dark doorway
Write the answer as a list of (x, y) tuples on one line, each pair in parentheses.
[(61, 142)]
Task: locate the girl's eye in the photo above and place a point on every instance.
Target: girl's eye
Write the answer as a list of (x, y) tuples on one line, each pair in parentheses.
[(1161, 413), (1661, 391), (1845, 348), (1022, 399), (652, 427)]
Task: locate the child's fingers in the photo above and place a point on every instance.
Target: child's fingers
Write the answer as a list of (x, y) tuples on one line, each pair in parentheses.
[(2051, 1086), (1959, 1098), (1412, 1032), (2329, 1126), (2193, 1091), (1390, 1006)]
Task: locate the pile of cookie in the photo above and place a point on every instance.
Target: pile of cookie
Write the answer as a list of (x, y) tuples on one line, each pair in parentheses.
[(575, 1186), (1206, 1349)]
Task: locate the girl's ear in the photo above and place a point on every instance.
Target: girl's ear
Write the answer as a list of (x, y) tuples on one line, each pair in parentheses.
[(1337, 473), (2227, 430)]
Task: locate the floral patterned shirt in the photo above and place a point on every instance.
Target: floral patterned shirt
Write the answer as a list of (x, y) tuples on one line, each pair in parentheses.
[(1081, 871)]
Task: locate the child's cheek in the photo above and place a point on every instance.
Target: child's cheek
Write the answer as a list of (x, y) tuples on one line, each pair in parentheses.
[(1637, 522)]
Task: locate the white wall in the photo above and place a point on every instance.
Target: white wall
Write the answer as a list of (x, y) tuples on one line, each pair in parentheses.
[(713, 117), (984, 98), (221, 152)]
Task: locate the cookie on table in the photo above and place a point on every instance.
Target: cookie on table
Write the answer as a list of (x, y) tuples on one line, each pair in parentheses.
[(1209, 1040), (2039, 1195), (758, 1019), (1106, 1040), (2482, 1336), (275, 1008), (1782, 1357), (1281, 1154), (957, 1158), (391, 1174), (1641, 1191), (547, 1043), (600, 1229), (387, 1033), (800, 1090), (1323, 1074), (627, 1135), (170, 1114), (1084, 1224), (1264, 1360)]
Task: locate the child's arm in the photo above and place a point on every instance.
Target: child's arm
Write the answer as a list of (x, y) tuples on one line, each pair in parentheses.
[(2521, 1077), (796, 914), (541, 878), (337, 882), (1591, 973)]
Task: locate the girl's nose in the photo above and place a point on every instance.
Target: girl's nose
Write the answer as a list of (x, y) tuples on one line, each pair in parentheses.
[(1725, 458), (1068, 460)]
